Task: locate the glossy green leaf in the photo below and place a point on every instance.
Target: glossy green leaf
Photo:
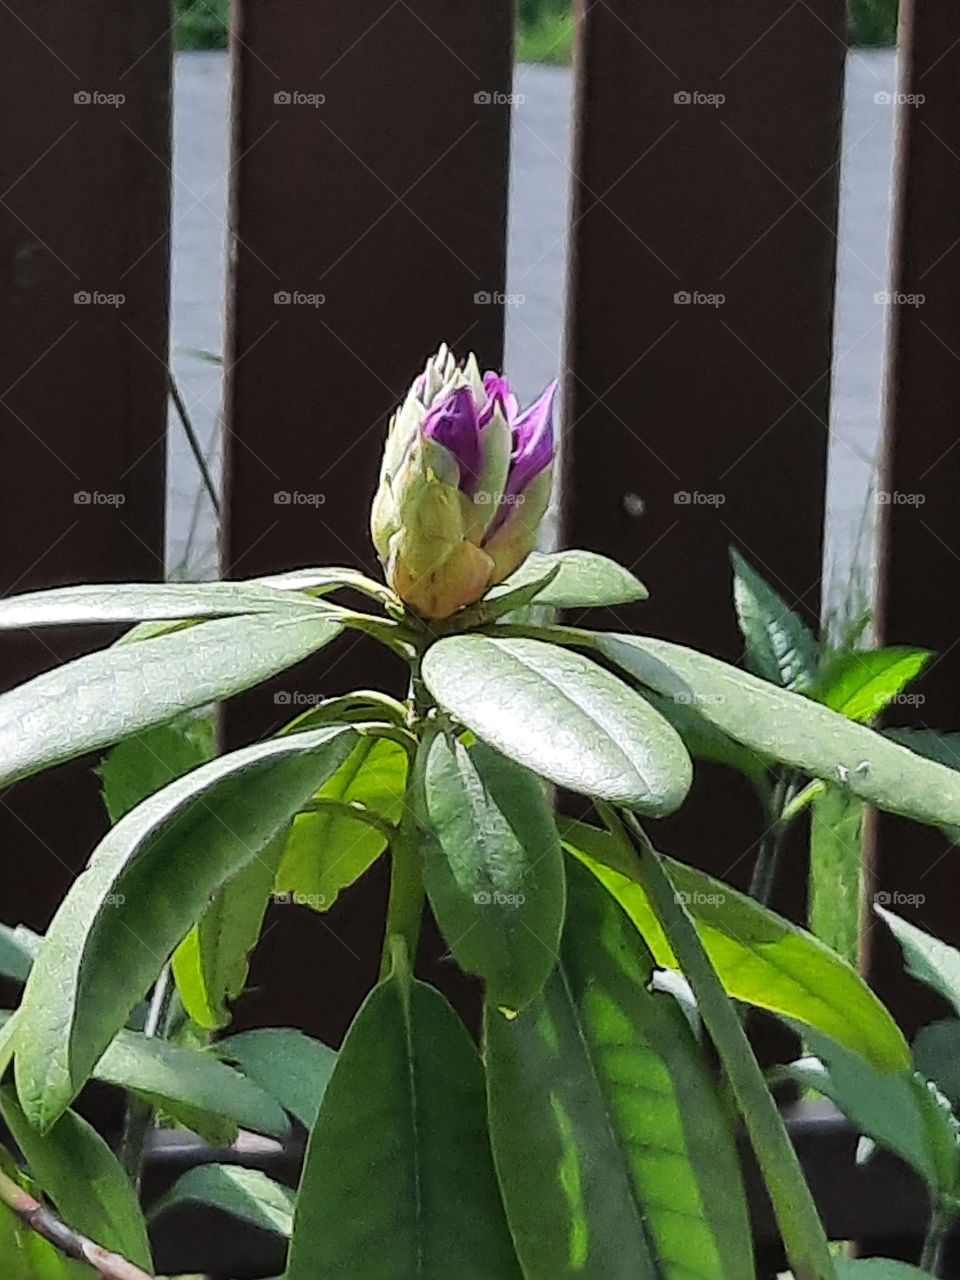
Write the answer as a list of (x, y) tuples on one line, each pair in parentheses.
[(760, 958), (292, 1067), (141, 765), (150, 601), (615, 1156), (105, 696), (560, 715), (147, 884), (399, 1181), (899, 1112), (327, 850), (791, 728), (83, 1178), (493, 866), (936, 1055), (930, 961), (780, 647), (212, 962), (584, 580), (861, 685), (837, 896), (704, 741), (246, 1194)]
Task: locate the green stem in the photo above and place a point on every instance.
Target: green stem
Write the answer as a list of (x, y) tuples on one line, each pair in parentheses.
[(764, 878), (941, 1219), (140, 1114), (803, 1236), (355, 810), (405, 908)]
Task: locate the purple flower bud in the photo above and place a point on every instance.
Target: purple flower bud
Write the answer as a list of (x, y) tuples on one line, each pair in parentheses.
[(533, 445), (454, 423)]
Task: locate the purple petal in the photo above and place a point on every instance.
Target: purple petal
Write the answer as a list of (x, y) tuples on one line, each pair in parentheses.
[(533, 443), (498, 389), (454, 424)]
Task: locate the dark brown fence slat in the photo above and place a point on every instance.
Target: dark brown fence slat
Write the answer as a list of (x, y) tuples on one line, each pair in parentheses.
[(371, 170), (697, 421), (919, 601), (84, 211)]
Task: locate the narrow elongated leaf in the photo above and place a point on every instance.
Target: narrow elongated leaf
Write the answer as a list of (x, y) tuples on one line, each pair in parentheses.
[(494, 869), (148, 602), (105, 696), (794, 729), (704, 741), (246, 1194), (933, 744), (327, 850), (212, 962), (292, 1067), (615, 1157), (563, 717), (399, 1181), (837, 897), (584, 580), (147, 883), (780, 647), (759, 957), (861, 685), (929, 960), (137, 767), (899, 1112), (83, 1178)]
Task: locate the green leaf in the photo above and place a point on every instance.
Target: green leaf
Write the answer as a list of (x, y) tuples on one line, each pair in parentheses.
[(791, 728), (292, 1067), (327, 850), (780, 647), (147, 883), (899, 1112), (494, 870), (563, 717), (930, 961), (114, 693), (211, 964), (149, 602), (27, 1256), (861, 685), (584, 580), (704, 741), (18, 947), (837, 897), (615, 1157), (932, 744), (877, 1269), (760, 958), (399, 1181), (936, 1055), (246, 1194), (83, 1178), (139, 766)]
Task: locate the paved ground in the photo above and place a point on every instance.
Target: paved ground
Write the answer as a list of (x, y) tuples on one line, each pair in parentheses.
[(537, 254)]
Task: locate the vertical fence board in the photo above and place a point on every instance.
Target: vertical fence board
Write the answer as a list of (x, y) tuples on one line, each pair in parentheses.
[(700, 349), (370, 195), (918, 598), (84, 217)]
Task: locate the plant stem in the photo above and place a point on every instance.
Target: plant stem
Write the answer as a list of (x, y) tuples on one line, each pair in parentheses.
[(803, 1236), (140, 1114), (764, 877), (405, 908), (43, 1222), (941, 1219), (352, 809)]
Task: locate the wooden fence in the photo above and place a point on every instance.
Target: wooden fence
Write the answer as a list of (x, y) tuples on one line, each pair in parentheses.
[(391, 200)]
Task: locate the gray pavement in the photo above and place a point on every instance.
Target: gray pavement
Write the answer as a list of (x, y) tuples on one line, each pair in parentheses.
[(536, 271)]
